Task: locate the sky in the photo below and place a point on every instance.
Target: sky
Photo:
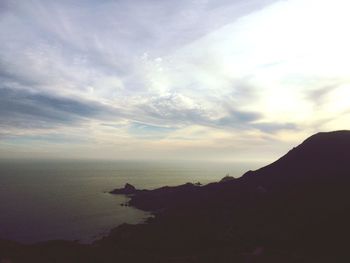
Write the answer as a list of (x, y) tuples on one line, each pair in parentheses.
[(229, 80)]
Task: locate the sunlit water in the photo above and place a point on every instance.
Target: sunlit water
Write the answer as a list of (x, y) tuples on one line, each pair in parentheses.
[(68, 200)]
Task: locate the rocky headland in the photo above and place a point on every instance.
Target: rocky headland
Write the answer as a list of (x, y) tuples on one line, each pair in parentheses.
[(296, 209)]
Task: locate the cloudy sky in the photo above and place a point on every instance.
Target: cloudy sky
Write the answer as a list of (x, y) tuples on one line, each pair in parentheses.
[(200, 79)]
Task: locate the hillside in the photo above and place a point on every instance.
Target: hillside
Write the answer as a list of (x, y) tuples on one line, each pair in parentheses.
[(296, 209)]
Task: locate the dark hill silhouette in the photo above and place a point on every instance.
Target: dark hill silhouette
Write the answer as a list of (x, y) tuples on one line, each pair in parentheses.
[(296, 209), (322, 158), (323, 154), (300, 202)]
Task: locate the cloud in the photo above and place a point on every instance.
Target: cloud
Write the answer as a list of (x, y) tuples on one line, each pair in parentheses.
[(21, 108), (320, 95), (146, 131), (141, 74)]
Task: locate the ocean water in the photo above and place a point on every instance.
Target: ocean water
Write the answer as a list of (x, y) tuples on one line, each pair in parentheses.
[(47, 200)]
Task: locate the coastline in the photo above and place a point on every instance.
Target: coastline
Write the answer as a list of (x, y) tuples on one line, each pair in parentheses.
[(293, 210)]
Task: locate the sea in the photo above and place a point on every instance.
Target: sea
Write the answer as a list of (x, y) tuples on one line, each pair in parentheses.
[(69, 200)]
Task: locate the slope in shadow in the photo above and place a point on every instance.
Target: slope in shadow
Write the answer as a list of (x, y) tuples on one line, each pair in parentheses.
[(293, 210)]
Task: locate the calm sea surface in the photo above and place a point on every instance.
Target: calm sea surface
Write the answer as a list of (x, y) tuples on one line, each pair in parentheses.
[(67, 200)]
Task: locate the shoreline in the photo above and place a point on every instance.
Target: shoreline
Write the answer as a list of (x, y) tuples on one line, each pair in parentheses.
[(293, 210)]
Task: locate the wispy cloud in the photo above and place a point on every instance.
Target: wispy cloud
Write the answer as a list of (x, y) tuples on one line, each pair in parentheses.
[(136, 75), (24, 109)]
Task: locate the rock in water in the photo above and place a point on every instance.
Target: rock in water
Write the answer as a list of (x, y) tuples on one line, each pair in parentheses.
[(127, 190)]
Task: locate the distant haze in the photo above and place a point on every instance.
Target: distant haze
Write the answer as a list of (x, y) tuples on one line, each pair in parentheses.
[(150, 79)]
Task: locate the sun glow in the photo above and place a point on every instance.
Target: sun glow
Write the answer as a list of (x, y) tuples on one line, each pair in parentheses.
[(280, 68)]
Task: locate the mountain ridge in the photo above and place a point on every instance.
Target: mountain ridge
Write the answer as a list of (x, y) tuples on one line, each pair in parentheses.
[(318, 159)]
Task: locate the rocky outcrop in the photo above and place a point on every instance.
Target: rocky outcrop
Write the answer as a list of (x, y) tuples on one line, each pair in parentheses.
[(128, 189), (227, 178)]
